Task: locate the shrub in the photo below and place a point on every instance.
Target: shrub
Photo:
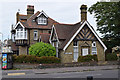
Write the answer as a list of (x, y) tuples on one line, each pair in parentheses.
[(87, 58), (42, 49), (111, 56), (35, 59), (49, 59), (20, 58)]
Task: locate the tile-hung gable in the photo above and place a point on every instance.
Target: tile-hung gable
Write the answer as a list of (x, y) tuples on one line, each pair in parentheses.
[(74, 40)]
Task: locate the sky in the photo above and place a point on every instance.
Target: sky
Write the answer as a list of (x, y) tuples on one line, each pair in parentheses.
[(63, 11)]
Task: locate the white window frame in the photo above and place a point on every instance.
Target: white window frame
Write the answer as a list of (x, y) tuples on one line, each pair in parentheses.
[(83, 50), (94, 46), (21, 34), (42, 20), (35, 32), (74, 51)]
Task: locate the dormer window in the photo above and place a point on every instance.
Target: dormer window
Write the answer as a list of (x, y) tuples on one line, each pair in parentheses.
[(42, 20)]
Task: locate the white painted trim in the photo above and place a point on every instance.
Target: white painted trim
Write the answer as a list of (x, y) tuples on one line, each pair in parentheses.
[(18, 24), (53, 27), (51, 34), (79, 31), (42, 12), (35, 31)]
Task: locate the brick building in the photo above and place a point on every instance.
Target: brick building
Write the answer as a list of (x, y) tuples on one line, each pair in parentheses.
[(74, 40), (70, 40), (31, 28)]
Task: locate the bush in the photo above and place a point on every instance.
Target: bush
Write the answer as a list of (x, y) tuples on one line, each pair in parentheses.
[(111, 57), (48, 59), (35, 59), (42, 49), (87, 58)]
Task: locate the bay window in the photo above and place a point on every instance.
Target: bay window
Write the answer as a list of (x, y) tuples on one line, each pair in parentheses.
[(21, 34)]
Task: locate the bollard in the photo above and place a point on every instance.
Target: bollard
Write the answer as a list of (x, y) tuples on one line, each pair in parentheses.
[(89, 77)]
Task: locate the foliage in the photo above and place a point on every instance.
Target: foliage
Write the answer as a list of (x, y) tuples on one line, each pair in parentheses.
[(111, 56), (35, 59), (42, 49), (87, 58), (107, 15), (48, 59)]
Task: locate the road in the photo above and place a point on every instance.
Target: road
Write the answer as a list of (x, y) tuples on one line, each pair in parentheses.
[(84, 74)]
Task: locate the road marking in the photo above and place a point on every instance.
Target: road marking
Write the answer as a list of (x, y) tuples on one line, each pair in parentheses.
[(13, 74)]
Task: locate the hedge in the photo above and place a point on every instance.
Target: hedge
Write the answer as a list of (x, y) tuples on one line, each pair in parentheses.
[(111, 56), (87, 58), (35, 59)]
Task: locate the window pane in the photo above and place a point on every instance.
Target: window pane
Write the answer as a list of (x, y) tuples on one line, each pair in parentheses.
[(35, 35), (75, 43), (93, 48)]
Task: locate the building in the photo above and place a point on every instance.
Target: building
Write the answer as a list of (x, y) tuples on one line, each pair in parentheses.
[(70, 40), (74, 40), (31, 28), (6, 46)]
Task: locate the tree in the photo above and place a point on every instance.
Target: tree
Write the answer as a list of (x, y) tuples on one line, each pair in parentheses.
[(107, 16), (42, 49)]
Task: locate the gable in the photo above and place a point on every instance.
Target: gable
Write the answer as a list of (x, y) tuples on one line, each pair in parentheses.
[(19, 25), (42, 13), (53, 36), (85, 34), (77, 32)]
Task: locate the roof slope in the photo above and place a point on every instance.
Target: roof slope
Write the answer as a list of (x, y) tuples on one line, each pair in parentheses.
[(32, 23), (44, 37), (66, 31)]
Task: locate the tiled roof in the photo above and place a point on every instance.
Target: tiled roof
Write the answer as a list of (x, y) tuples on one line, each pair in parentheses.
[(31, 23), (45, 37), (22, 17), (66, 31)]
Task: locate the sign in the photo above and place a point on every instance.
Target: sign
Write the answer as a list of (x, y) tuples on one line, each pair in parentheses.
[(4, 61), (68, 53)]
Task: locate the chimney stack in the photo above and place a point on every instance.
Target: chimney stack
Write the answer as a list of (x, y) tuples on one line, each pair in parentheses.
[(17, 17), (83, 12), (30, 10)]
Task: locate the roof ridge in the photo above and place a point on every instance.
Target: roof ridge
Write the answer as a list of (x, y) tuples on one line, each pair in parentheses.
[(65, 24)]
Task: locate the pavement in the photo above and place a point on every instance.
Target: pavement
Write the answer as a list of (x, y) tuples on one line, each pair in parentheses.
[(61, 70), (75, 69)]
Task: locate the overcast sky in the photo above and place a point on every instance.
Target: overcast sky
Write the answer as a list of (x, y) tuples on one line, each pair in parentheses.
[(63, 11)]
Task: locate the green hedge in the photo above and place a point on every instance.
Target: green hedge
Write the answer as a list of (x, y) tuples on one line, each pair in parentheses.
[(87, 58), (35, 59), (111, 56)]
